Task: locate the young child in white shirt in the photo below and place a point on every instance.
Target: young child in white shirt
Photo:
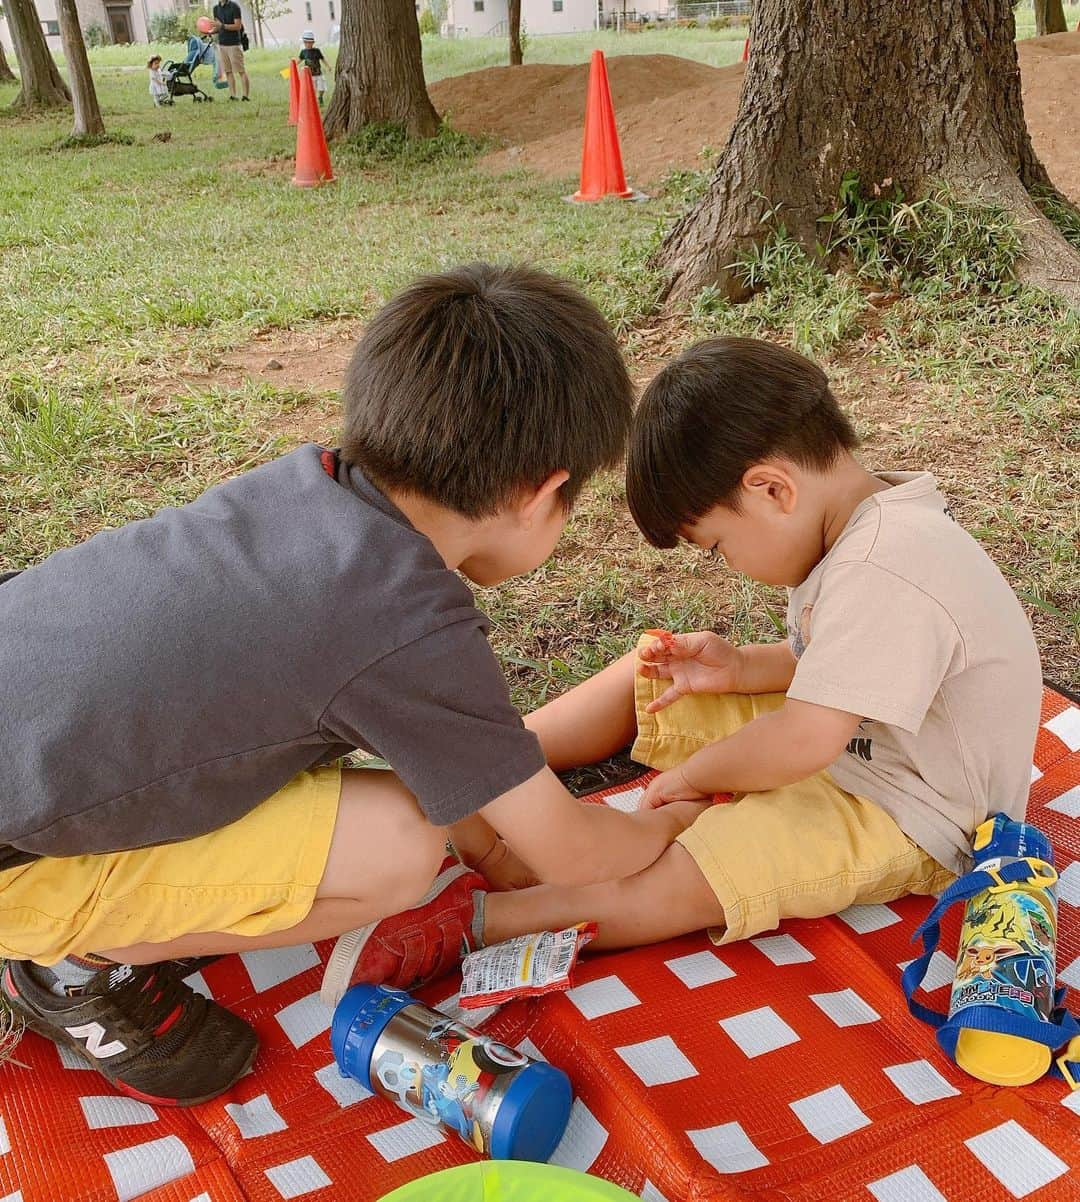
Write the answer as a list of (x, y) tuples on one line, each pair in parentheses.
[(159, 89)]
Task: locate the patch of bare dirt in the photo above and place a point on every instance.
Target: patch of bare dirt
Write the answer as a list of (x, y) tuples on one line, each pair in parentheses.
[(311, 361), (278, 164), (669, 108)]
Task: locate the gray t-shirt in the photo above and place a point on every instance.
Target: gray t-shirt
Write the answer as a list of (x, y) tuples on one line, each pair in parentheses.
[(161, 679)]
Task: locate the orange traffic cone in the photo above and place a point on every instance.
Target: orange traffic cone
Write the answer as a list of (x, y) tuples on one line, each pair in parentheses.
[(312, 157), (294, 92), (746, 51), (601, 160)]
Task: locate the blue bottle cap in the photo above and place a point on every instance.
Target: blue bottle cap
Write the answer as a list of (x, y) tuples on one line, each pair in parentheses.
[(532, 1115), (359, 1019), (1004, 836)]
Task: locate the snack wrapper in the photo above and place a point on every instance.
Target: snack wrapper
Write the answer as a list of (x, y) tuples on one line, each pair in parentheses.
[(528, 966)]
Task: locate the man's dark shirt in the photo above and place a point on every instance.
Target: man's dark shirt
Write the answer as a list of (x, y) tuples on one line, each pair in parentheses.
[(228, 13)]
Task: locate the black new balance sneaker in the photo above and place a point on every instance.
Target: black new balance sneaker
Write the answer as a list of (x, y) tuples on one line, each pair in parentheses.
[(142, 1028)]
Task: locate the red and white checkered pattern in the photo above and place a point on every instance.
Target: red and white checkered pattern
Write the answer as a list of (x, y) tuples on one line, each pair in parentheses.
[(786, 1067)]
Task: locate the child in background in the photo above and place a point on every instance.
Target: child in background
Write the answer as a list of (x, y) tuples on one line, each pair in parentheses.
[(865, 748), (313, 58), (159, 89)]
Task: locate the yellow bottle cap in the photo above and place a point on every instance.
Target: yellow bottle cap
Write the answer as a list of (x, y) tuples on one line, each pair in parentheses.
[(1001, 1059)]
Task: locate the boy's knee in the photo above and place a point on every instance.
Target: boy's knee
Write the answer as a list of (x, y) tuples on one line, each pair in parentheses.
[(427, 850)]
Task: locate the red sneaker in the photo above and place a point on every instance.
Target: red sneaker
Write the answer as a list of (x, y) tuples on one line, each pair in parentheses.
[(411, 948)]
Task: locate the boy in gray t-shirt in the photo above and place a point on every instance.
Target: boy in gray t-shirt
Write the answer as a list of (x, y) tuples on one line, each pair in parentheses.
[(178, 691)]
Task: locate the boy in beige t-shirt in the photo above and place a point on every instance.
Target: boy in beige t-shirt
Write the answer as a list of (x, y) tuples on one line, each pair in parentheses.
[(865, 749)]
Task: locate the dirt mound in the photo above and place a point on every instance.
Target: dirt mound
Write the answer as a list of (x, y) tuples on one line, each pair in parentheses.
[(523, 104), (1050, 75), (669, 108), (1054, 43)]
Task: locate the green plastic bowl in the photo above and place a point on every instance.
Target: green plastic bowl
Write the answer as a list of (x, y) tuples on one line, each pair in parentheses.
[(509, 1181)]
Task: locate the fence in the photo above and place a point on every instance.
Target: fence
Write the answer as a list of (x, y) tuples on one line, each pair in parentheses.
[(698, 11)]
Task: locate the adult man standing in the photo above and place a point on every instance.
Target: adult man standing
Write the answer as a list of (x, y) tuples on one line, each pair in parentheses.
[(230, 50)]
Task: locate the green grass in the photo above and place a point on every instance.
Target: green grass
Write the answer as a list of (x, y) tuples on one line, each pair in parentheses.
[(718, 48), (127, 270), (1025, 18)]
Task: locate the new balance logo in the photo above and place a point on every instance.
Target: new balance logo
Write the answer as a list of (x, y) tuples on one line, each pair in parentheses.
[(119, 974), (94, 1033)]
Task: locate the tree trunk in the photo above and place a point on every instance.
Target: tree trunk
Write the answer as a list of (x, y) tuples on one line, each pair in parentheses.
[(6, 73), (908, 93), (513, 13), (1049, 17), (42, 85), (379, 77), (88, 122)]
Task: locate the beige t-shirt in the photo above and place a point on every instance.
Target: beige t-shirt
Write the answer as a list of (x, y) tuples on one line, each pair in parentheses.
[(907, 622)]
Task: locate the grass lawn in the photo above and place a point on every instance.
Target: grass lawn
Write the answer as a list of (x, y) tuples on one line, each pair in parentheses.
[(135, 277)]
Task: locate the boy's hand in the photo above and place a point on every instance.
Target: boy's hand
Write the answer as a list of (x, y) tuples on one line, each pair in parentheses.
[(694, 663), (504, 871), (670, 787)]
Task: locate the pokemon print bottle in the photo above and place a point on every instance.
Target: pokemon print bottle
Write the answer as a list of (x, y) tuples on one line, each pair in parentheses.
[(1005, 963), (499, 1101)]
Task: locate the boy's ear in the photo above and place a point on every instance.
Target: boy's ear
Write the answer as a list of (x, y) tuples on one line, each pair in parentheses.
[(773, 484), (534, 498)]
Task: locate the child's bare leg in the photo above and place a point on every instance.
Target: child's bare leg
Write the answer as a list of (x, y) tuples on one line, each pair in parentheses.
[(594, 720), (358, 887), (669, 898)]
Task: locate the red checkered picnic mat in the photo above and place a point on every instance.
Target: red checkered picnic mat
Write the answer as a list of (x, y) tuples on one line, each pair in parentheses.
[(786, 1067)]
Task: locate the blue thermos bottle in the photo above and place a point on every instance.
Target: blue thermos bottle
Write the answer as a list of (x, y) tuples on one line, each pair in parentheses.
[(500, 1101)]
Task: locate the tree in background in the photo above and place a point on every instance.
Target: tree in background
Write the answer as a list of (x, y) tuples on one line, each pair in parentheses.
[(41, 84), (1049, 17), (6, 73), (899, 95), (379, 75), (265, 11), (88, 122), (513, 13)]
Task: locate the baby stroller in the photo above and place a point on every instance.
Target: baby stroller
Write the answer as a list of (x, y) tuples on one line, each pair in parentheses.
[(178, 76)]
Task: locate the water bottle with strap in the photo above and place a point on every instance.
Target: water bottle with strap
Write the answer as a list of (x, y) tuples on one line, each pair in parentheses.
[(1006, 1020)]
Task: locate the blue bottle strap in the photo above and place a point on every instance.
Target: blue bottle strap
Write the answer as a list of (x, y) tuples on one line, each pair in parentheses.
[(1062, 1029), (929, 930)]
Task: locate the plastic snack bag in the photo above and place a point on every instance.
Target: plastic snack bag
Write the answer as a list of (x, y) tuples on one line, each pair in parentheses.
[(528, 966)]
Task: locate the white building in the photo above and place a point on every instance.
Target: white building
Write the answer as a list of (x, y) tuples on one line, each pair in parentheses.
[(490, 18), (117, 20), (129, 20)]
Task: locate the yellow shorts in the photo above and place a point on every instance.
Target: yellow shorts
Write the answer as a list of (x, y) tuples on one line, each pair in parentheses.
[(257, 875), (802, 851)]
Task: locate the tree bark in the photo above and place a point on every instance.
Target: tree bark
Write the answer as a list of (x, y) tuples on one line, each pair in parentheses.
[(1049, 17), (6, 73), (379, 77), (88, 122), (906, 93), (513, 13), (42, 85)]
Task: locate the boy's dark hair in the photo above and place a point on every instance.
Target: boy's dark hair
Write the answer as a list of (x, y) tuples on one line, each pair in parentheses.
[(723, 405), (475, 383)]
